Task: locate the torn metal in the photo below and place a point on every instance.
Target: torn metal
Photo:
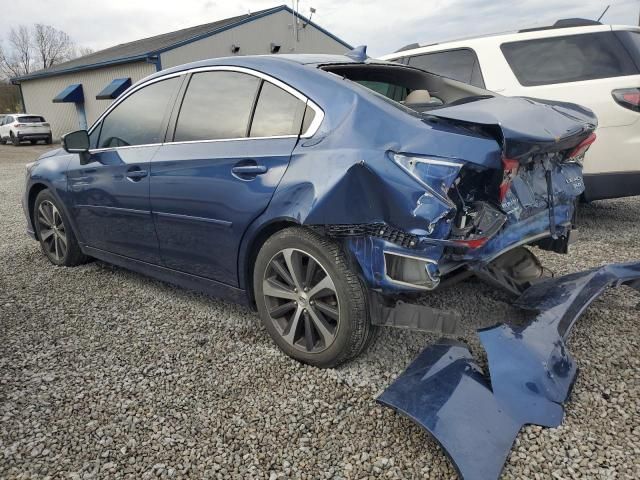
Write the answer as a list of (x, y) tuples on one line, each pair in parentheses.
[(476, 417)]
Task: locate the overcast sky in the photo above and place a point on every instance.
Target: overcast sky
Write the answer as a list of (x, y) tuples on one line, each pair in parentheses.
[(382, 25)]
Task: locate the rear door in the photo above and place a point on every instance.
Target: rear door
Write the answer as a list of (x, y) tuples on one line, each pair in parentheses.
[(111, 192), (233, 137)]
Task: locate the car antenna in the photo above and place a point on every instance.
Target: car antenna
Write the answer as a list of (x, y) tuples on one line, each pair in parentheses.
[(359, 54), (602, 14)]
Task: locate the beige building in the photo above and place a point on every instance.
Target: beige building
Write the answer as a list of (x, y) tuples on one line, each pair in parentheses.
[(73, 94)]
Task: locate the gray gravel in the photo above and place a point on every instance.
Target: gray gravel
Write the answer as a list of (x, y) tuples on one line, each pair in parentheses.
[(107, 374)]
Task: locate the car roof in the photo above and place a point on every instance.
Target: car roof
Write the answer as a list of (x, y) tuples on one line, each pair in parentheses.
[(258, 62), (527, 34)]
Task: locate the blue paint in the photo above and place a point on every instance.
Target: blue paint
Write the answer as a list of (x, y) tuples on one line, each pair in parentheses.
[(191, 213), (71, 94), (116, 87), (476, 417)]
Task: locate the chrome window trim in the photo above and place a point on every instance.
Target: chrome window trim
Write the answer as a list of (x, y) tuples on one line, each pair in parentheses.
[(313, 127)]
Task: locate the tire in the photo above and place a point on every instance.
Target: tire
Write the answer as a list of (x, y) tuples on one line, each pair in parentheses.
[(47, 213), (49, 140), (14, 140), (321, 338), (2, 141), (33, 142)]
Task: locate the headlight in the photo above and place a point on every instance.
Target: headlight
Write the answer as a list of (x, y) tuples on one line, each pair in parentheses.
[(436, 174)]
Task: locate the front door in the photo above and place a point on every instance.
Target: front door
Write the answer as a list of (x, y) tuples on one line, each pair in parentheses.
[(111, 190), (233, 139)]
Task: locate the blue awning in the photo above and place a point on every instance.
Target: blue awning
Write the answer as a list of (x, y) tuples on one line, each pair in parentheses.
[(72, 94), (114, 89)]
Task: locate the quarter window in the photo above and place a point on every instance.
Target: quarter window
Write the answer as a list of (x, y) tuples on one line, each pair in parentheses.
[(139, 119), (571, 58), (217, 105), (277, 113), (461, 65)]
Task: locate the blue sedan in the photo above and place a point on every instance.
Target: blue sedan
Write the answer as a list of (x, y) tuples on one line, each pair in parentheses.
[(325, 191)]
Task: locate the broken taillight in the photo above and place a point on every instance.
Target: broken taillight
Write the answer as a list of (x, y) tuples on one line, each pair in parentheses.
[(582, 148), (628, 98), (509, 171), (474, 243)]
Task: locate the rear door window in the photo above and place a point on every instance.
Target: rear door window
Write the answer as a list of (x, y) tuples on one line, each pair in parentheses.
[(570, 58), (631, 40), (461, 64), (217, 105), (140, 118), (277, 113)]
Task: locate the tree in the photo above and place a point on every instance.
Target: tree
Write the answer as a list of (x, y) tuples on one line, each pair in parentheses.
[(34, 48), (52, 45)]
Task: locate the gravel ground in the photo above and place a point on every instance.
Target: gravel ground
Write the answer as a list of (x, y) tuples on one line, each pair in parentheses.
[(107, 374)]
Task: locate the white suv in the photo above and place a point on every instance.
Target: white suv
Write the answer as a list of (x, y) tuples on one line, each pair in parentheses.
[(594, 65), (16, 128)]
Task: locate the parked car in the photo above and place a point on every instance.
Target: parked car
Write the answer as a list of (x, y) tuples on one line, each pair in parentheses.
[(17, 128), (290, 183), (578, 61)]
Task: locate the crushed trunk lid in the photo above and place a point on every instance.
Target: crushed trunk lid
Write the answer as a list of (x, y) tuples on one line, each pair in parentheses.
[(523, 126)]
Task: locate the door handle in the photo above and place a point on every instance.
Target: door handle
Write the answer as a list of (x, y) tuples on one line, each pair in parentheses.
[(249, 169), (136, 175)]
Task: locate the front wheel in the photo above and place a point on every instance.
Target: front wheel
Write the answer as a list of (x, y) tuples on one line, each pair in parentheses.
[(56, 238), (310, 302)]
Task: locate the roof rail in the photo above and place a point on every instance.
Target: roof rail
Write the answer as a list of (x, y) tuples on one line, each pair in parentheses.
[(564, 23)]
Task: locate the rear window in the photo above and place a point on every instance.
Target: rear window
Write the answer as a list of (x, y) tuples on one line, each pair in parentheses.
[(31, 119), (571, 58), (461, 64)]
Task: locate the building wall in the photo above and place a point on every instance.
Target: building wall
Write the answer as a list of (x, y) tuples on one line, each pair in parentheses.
[(254, 38), (38, 94)]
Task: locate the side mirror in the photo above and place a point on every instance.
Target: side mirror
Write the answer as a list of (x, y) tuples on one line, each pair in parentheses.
[(76, 142)]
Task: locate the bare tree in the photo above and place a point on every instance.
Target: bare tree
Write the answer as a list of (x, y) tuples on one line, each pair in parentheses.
[(83, 51), (18, 59), (31, 49), (52, 45)]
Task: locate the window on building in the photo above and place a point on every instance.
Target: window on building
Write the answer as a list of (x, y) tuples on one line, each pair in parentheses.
[(569, 58), (217, 105), (277, 113), (461, 64), (139, 119)]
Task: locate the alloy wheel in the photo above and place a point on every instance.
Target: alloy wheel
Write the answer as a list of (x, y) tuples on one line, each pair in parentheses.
[(301, 300), (52, 231)]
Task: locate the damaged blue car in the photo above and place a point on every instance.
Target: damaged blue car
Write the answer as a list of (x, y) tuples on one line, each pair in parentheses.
[(327, 191)]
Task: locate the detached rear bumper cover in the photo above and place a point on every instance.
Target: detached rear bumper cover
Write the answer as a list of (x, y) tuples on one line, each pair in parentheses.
[(475, 418)]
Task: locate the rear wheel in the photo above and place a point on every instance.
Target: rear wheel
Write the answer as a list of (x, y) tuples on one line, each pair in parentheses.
[(33, 142), (49, 140), (56, 238), (14, 139), (310, 302)]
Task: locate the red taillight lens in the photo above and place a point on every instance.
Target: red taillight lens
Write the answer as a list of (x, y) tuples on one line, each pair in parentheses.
[(628, 98), (474, 243), (582, 147), (509, 171), (21, 125)]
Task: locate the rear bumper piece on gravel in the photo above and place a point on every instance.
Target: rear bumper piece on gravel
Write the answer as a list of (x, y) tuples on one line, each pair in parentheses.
[(476, 417)]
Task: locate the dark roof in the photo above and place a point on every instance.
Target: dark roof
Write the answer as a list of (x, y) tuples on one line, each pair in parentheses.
[(149, 48)]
